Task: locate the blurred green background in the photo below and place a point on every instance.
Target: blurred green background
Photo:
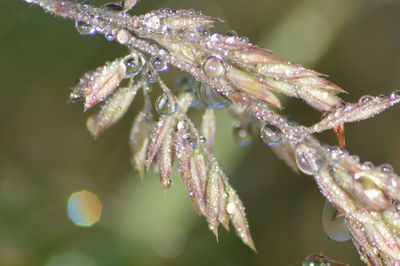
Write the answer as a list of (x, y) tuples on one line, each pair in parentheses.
[(46, 153)]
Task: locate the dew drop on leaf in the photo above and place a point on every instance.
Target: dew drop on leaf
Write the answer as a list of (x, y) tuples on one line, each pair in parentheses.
[(396, 204), (84, 29), (133, 64), (213, 67), (110, 37), (334, 225), (114, 7), (308, 159), (271, 135), (159, 64), (395, 95), (151, 76), (167, 183), (386, 168), (183, 125), (165, 104), (366, 99)]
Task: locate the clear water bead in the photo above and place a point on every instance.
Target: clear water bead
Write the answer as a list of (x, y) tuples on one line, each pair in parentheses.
[(395, 95), (334, 224), (114, 7), (213, 67), (396, 204), (183, 125), (192, 140), (151, 76), (308, 160), (84, 29), (386, 168), (165, 104), (159, 64), (110, 37), (366, 99), (134, 64), (211, 98), (167, 183), (242, 134), (271, 135)]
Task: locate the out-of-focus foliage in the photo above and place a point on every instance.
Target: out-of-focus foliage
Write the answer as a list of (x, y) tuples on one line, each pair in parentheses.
[(46, 154)]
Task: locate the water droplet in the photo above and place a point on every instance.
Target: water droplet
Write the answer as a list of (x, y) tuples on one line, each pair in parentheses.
[(367, 165), (396, 204), (134, 64), (271, 135), (231, 33), (183, 125), (167, 183), (203, 140), (386, 168), (165, 104), (123, 36), (110, 37), (242, 134), (308, 159), (159, 64), (151, 76), (395, 95), (230, 207), (191, 140), (213, 67), (115, 7), (84, 29), (211, 98), (366, 99), (334, 224)]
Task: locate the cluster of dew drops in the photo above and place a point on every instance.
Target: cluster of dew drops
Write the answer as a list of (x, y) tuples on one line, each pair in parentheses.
[(243, 126)]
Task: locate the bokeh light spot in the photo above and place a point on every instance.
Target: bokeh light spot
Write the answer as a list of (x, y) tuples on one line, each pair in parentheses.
[(84, 208)]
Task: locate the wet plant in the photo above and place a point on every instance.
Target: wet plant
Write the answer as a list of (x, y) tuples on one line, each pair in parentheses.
[(228, 72)]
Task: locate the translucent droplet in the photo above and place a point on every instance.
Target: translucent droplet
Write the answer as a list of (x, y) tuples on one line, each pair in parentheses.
[(211, 98), (165, 104), (151, 76), (271, 135), (167, 183), (386, 168), (134, 64), (367, 165), (230, 207), (334, 224), (366, 99), (396, 204), (308, 159), (213, 67), (159, 64), (191, 140), (123, 36), (84, 29), (110, 37), (231, 33), (242, 134), (395, 95), (115, 7), (183, 125), (203, 139)]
